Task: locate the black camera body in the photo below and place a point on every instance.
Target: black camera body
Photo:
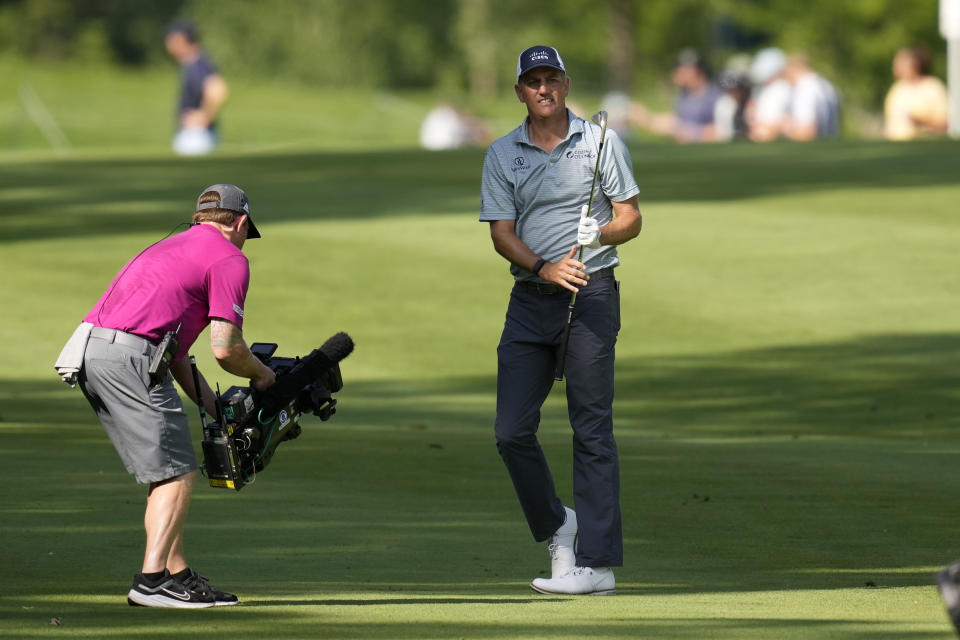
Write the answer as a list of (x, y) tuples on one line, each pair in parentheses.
[(251, 425)]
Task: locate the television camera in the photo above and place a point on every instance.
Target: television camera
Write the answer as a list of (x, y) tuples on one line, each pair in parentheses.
[(251, 424)]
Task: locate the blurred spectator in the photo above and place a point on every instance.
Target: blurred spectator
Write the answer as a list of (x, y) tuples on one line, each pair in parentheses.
[(446, 127), (770, 103), (692, 119), (917, 102), (730, 111), (203, 91), (814, 105), (617, 105), (948, 581)]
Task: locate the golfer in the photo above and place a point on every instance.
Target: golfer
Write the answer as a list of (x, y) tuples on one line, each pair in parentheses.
[(535, 181), (190, 280)]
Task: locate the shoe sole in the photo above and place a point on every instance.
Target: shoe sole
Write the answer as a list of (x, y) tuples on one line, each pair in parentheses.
[(216, 604), (137, 599), (602, 592)]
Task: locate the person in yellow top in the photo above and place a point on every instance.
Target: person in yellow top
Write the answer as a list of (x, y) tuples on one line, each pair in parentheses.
[(916, 104)]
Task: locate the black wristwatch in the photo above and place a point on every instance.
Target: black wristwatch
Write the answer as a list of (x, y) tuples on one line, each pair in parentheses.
[(538, 265)]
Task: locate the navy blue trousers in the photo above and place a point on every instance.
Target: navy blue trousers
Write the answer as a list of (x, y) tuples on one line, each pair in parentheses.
[(526, 360)]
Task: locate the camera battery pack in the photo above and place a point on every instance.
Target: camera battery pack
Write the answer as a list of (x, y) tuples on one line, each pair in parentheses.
[(220, 463)]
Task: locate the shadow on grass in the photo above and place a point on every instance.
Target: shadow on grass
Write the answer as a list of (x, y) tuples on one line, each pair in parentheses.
[(897, 385), (894, 385), (807, 467), (881, 385), (373, 602), (92, 196)]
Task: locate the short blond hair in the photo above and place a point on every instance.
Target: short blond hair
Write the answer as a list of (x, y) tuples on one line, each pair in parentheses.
[(216, 214)]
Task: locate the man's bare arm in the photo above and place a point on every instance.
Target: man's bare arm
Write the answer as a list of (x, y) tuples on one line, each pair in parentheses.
[(802, 132), (625, 225), (566, 272), (183, 374), (214, 95), (234, 356)]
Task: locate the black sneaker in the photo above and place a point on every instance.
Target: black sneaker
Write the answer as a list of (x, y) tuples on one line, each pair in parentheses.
[(199, 583), (948, 581), (168, 593)]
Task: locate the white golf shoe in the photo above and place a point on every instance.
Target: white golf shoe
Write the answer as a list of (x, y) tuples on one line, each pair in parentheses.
[(561, 547), (583, 581)]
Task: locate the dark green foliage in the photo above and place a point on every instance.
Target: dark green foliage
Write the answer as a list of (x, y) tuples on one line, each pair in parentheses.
[(471, 45)]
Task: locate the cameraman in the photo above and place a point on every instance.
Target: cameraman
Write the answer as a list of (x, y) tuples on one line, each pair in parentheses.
[(190, 280)]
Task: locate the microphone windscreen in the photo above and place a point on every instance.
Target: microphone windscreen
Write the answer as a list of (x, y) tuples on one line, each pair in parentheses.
[(337, 347)]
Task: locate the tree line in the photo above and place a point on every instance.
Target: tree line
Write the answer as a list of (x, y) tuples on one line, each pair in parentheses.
[(470, 46)]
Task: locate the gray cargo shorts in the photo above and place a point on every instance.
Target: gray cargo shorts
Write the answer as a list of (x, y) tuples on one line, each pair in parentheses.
[(147, 424)]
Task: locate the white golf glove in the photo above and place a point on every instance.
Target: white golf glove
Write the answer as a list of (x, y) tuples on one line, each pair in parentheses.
[(588, 233)]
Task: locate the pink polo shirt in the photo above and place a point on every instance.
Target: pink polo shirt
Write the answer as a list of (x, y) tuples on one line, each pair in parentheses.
[(186, 279)]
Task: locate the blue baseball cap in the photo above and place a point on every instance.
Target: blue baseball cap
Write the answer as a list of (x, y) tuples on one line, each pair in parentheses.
[(539, 56)]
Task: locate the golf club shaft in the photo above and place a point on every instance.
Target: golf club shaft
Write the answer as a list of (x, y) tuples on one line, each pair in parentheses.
[(565, 338), (564, 341)]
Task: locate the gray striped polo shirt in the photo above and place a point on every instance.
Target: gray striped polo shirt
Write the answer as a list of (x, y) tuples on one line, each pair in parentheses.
[(544, 192)]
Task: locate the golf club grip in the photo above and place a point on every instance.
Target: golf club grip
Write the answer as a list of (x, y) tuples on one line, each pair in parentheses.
[(573, 297), (564, 341)]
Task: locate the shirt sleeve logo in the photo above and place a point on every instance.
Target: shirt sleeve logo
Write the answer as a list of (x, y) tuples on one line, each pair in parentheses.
[(238, 309)]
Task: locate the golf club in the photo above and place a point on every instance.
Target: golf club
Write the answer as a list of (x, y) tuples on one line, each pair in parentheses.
[(599, 118)]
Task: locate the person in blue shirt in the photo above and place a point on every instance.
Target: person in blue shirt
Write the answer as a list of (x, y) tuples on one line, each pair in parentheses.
[(692, 118), (202, 94)]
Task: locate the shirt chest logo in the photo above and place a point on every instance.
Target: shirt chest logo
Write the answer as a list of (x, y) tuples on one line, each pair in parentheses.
[(579, 154), (519, 164)]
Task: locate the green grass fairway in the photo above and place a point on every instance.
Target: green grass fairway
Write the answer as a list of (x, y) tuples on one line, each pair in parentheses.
[(787, 401)]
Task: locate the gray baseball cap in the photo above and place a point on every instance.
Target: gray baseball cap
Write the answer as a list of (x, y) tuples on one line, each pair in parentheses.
[(232, 198)]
